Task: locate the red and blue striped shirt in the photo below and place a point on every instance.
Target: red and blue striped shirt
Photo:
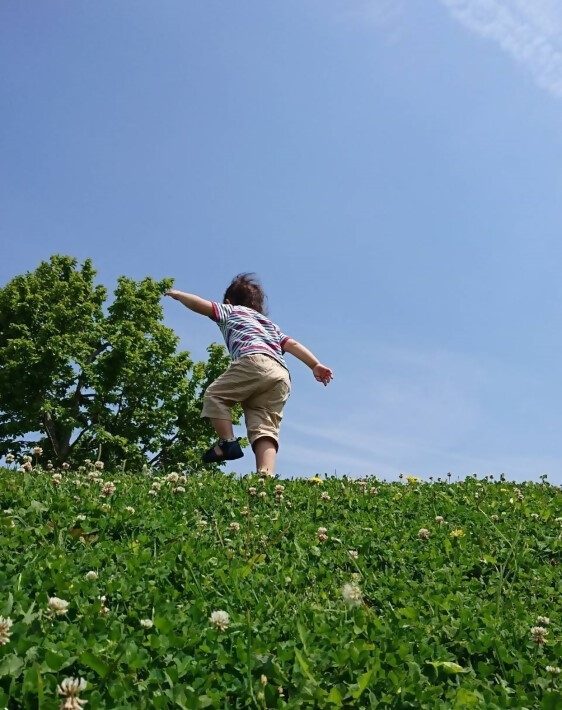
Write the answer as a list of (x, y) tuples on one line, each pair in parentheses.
[(247, 332)]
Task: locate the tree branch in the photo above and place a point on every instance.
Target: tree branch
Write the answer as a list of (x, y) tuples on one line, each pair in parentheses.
[(71, 447), (89, 360), (51, 433), (164, 448)]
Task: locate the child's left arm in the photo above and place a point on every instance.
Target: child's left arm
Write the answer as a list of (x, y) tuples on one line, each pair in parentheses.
[(194, 303)]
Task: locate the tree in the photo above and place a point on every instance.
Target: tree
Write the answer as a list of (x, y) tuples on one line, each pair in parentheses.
[(77, 374)]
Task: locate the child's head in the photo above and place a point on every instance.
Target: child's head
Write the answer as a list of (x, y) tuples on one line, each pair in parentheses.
[(246, 290)]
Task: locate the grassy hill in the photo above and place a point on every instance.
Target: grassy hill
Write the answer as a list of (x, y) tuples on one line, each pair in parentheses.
[(212, 591)]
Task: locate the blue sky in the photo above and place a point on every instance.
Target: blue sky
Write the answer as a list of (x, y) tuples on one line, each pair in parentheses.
[(392, 170)]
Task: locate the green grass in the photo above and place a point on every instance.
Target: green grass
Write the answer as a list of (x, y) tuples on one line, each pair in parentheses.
[(442, 622)]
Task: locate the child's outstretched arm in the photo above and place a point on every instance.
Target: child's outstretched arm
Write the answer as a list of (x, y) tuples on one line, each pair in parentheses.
[(321, 372), (194, 303)]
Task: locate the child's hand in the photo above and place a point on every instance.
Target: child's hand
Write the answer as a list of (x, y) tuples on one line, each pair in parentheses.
[(322, 374), (173, 293)]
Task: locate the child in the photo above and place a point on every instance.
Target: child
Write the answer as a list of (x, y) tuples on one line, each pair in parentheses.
[(257, 377)]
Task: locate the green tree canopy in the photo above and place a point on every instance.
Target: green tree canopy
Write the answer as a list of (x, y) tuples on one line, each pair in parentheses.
[(77, 373)]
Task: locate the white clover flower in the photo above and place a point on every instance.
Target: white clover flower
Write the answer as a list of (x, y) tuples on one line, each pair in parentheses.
[(108, 489), (539, 634), (106, 507), (146, 623), (26, 459), (252, 491), (558, 520), (5, 633), (99, 465), (553, 669), (182, 479), (152, 493), (70, 689), (38, 451), (27, 467), (352, 594), (439, 519), (129, 509), (534, 515), (10, 458), (279, 489), (172, 477), (322, 534), (373, 491), (56, 478), (57, 606), (543, 620), (220, 620), (495, 518), (202, 523), (288, 580), (263, 680), (353, 554), (178, 490), (156, 486), (423, 534), (262, 494), (325, 496), (245, 511), (65, 466), (91, 576), (234, 526)]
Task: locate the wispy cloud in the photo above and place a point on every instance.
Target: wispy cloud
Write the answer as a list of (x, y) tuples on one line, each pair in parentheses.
[(416, 411), (386, 15), (530, 31)]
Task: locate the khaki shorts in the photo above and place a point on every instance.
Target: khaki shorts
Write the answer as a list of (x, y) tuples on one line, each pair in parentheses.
[(261, 385)]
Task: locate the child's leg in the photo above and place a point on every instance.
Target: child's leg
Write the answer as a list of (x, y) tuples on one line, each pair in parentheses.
[(224, 430), (218, 400), (263, 413), (223, 427), (265, 450)]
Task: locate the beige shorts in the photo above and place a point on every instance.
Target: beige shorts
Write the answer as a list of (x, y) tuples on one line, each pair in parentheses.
[(261, 385)]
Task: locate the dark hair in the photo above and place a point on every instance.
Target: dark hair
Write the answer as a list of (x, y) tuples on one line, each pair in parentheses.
[(246, 290)]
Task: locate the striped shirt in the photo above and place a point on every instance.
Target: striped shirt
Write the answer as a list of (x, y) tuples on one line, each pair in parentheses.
[(247, 332)]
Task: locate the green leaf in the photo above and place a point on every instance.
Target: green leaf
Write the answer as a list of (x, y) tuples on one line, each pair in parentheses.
[(302, 635), (37, 506), (29, 616), (304, 666), (163, 624), (552, 700), (466, 698), (9, 605), (363, 682), (95, 663), (335, 696), (11, 665), (448, 666)]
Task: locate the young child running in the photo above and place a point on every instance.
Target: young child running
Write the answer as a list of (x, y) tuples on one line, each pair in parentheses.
[(257, 377)]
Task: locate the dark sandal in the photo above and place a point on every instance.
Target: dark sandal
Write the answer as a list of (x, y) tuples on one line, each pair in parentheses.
[(231, 450)]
